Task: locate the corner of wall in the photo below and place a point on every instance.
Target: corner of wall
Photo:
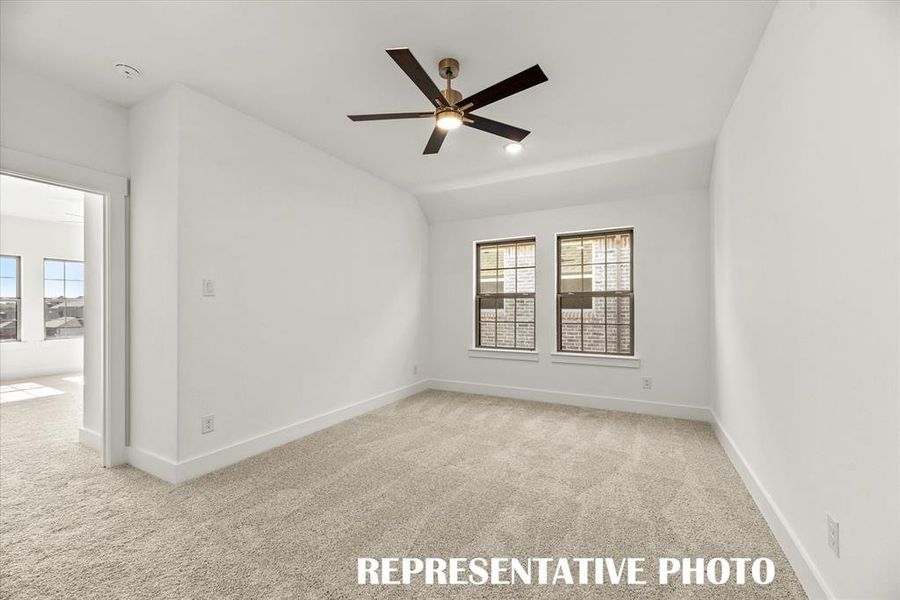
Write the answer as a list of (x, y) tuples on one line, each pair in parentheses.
[(153, 155)]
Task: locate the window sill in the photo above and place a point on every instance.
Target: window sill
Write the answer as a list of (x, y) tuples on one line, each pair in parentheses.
[(598, 360), (529, 355)]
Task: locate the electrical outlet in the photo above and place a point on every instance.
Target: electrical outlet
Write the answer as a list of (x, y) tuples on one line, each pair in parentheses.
[(207, 424), (209, 287), (834, 535), (647, 383)]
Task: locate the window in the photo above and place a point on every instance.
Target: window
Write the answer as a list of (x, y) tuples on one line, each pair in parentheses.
[(594, 293), (504, 295), (10, 298), (63, 298)]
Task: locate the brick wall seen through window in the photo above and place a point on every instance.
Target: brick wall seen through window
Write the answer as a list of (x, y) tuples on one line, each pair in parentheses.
[(595, 293), (504, 299)]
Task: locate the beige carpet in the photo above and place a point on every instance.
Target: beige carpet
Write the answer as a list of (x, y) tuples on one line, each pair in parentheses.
[(440, 474)]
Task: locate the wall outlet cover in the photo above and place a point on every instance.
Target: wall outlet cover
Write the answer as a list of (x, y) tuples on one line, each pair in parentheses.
[(647, 383), (207, 424)]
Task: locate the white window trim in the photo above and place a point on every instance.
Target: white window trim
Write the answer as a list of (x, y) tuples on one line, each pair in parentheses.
[(504, 354), (596, 360)]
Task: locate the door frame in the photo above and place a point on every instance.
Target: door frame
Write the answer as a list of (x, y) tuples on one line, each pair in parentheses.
[(114, 327)]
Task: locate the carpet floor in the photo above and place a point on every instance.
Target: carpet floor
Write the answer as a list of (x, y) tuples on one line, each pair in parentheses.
[(439, 474)]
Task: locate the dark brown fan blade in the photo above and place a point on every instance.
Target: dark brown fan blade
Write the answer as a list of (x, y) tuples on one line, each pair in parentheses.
[(435, 141), (497, 128), (405, 59), (384, 116), (509, 86)]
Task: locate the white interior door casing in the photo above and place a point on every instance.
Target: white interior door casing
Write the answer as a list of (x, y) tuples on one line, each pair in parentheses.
[(106, 258)]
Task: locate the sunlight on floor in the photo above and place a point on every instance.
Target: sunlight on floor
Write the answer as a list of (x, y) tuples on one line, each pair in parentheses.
[(26, 391)]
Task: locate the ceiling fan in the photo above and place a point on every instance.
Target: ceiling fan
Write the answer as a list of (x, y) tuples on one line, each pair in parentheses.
[(451, 110)]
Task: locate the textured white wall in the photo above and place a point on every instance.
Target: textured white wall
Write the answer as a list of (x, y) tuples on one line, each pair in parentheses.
[(319, 268), (153, 152), (49, 119), (320, 274), (33, 241), (806, 207), (671, 282)]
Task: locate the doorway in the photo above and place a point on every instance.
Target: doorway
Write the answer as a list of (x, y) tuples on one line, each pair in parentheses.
[(44, 307), (63, 302)]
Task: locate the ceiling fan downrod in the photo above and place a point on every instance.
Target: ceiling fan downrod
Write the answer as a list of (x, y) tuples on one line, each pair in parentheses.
[(448, 69)]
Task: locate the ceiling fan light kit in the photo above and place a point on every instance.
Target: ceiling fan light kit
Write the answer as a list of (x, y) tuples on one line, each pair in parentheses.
[(451, 110), (448, 118)]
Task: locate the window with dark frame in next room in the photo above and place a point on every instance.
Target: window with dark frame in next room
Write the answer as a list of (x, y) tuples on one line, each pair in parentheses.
[(10, 298), (63, 298), (595, 293), (504, 294)]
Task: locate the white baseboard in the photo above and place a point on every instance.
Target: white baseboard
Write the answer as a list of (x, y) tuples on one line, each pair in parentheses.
[(647, 407), (89, 438), (153, 464), (809, 575), (213, 461), (30, 372)]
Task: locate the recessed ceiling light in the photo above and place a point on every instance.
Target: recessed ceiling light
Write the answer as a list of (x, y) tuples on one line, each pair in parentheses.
[(513, 147), (127, 71)]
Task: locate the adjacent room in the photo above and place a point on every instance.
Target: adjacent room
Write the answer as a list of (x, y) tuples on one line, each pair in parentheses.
[(43, 308), (311, 299)]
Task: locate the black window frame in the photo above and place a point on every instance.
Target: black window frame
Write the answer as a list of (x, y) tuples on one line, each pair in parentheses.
[(17, 299), (65, 299), (589, 295), (494, 297)]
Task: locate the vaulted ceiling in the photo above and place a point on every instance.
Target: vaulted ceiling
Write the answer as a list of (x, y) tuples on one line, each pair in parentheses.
[(626, 78)]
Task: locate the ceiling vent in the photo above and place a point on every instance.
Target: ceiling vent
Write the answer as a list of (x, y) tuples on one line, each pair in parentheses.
[(127, 71)]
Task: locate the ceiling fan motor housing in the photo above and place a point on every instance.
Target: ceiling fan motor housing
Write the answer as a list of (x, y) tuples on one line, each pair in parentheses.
[(449, 68)]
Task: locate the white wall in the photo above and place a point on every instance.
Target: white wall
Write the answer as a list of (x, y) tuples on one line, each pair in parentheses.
[(60, 133), (320, 279), (33, 241), (319, 268), (46, 118), (671, 282), (807, 309), (153, 155)]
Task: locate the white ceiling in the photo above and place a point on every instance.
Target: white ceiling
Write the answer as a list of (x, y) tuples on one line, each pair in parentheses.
[(644, 175), (623, 75), (40, 201)]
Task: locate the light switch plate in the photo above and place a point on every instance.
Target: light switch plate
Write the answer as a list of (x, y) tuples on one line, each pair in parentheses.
[(209, 287), (834, 535)]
